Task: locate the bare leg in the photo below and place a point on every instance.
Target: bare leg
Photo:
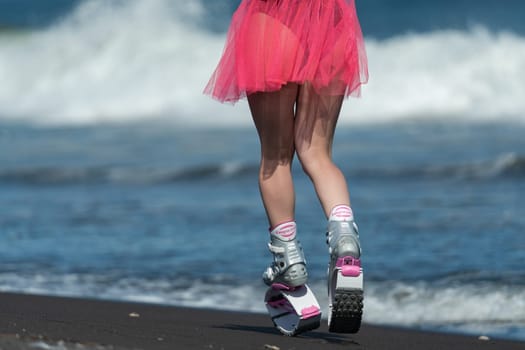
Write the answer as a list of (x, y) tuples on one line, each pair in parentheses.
[(273, 114), (315, 123)]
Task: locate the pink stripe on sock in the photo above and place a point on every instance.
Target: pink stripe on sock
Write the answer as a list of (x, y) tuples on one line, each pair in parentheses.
[(342, 212), (285, 230)]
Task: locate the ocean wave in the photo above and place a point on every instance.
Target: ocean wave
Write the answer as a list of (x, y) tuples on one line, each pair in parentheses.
[(121, 61), (117, 175), (219, 292), (470, 306), (411, 304), (505, 166), (508, 165)]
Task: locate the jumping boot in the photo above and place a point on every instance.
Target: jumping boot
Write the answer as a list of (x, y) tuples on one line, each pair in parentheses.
[(345, 277)]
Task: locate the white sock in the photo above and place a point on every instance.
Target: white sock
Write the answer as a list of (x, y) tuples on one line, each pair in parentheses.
[(341, 213), (285, 231)]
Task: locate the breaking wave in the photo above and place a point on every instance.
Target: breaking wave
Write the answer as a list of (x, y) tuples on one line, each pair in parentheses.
[(486, 307), (122, 61), (509, 165)]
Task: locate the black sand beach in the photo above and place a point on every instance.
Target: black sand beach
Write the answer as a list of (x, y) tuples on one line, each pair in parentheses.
[(43, 322)]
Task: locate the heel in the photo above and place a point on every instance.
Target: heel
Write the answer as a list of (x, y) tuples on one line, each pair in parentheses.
[(345, 291), (346, 311), (289, 265), (296, 275)]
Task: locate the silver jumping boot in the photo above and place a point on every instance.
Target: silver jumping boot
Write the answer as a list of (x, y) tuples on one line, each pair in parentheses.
[(345, 277), (288, 269)]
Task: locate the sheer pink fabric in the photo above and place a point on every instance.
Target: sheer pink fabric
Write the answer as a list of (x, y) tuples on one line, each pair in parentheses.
[(273, 42)]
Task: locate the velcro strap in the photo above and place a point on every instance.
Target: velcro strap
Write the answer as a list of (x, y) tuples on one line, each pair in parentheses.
[(274, 249)]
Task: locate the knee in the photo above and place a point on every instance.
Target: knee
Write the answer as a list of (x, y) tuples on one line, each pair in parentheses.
[(313, 161), (274, 167)]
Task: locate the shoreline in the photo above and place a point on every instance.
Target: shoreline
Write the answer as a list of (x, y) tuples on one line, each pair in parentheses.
[(36, 321)]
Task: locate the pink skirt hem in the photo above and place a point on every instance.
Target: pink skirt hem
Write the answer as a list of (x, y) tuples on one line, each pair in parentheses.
[(271, 43)]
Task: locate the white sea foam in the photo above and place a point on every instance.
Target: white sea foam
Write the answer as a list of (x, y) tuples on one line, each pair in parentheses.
[(476, 306), (420, 303), (147, 59)]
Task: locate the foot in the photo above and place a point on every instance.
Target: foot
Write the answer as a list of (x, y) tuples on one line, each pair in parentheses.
[(345, 277), (288, 269)]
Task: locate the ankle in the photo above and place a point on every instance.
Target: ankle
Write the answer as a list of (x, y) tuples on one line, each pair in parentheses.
[(285, 231), (341, 212)]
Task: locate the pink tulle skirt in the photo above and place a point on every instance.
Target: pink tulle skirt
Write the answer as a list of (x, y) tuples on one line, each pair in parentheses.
[(274, 42)]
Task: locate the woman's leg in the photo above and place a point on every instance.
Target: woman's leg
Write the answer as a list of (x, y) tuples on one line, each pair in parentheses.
[(315, 123), (273, 114), (314, 132)]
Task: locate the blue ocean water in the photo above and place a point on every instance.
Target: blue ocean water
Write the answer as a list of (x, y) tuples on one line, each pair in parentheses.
[(119, 180)]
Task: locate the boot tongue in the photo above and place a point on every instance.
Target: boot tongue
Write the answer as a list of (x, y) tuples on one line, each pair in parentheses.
[(285, 231)]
